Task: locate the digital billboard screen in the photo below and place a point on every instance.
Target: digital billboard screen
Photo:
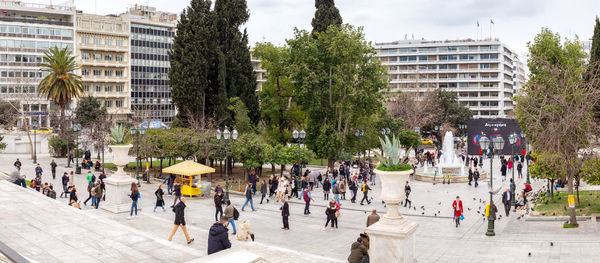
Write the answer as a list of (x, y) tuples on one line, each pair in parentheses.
[(492, 128)]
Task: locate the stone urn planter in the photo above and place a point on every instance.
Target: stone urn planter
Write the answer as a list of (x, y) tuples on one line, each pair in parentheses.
[(120, 157), (392, 190), (392, 237), (119, 184)]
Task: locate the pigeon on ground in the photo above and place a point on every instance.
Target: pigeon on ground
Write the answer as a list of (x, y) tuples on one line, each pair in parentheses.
[(434, 214), (478, 211), (529, 254), (469, 209), (551, 244), (423, 213), (415, 208)]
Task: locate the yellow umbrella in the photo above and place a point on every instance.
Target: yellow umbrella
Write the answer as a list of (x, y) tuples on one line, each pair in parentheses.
[(189, 169)]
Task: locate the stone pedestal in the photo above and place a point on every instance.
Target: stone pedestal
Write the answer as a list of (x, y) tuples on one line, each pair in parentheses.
[(392, 240), (117, 194), (118, 186)]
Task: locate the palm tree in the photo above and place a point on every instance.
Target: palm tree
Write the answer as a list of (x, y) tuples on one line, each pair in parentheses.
[(61, 84)]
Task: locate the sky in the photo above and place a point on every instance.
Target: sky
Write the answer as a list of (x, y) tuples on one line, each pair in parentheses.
[(515, 21)]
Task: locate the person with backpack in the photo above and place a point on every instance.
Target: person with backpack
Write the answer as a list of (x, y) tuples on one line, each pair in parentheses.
[(135, 195), (354, 189), (365, 190), (307, 198), (180, 221), (160, 201), (230, 213), (97, 193), (248, 193)]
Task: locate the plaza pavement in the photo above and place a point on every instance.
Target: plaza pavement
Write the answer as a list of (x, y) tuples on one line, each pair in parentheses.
[(437, 240)]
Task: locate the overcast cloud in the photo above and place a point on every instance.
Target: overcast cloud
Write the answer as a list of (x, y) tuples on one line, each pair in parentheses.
[(515, 21)]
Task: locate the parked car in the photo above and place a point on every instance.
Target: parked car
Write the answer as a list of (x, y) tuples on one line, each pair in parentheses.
[(41, 130), (426, 141)]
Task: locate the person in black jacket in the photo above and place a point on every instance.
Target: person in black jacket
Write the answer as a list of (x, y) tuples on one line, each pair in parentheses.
[(263, 192), (285, 213), (218, 205), (248, 193), (180, 221), (160, 201), (217, 236)]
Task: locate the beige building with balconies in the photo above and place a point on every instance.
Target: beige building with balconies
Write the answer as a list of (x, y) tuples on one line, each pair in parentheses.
[(103, 54)]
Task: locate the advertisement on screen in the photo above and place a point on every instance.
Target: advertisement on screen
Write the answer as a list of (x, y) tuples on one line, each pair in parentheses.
[(493, 128)]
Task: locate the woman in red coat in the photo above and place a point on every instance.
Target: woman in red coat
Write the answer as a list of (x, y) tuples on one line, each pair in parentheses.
[(458, 210)]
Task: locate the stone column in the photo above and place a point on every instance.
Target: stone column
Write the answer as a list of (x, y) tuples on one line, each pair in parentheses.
[(118, 186)]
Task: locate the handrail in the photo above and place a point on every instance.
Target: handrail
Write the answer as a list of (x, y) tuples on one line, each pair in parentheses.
[(11, 254)]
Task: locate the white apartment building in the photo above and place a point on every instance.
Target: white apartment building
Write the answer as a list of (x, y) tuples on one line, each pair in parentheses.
[(103, 54), (481, 72), (258, 70), (26, 31)]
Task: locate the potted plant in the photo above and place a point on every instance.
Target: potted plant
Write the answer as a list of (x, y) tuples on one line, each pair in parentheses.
[(119, 149), (393, 174)]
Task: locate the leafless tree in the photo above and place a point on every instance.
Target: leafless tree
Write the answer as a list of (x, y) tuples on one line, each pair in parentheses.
[(556, 111), (414, 111)]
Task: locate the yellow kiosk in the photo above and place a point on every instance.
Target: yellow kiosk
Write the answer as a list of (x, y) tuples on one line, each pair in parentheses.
[(187, 170)]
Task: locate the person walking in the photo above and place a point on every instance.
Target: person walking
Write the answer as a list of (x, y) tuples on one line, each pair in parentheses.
[(176, 191), (230, 213), (336, 191), (101, 178), (458, 210), (285, 214), (311, 180), (354, 188), (134, 195), (263, 192), (503, 170), (218, 199), (307, 198), (217, 236), (506, 201), (73, 195), (365, 190), (65, 183), (372, 218), (170, 184), (326, 188), (38, 171), (476, 176), (520, 170), (330, 211), (407, 193), (97, 193), (160, 201), (180, 221), (89, 190), (248, 193), (53, 168)]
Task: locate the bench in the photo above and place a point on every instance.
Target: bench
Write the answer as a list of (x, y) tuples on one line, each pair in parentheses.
[(595, 217)]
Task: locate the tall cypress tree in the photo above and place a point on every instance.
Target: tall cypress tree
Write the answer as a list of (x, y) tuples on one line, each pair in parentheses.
[(327, 14), (595, 51), (192, 58), (210, 61), (595, 58)]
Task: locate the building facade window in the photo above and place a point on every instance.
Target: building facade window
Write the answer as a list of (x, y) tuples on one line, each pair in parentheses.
[(97, 41), (119, 73), (119, 58), (97, 56), (108, 57), (97, 72), (85, 72), (108, 72), (85, 55), (85, 40), (108, 42), (108, 103), (107, 88)]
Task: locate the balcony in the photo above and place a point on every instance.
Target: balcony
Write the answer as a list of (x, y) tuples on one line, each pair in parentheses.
[(35, 21), (103, 63), (102, 47)]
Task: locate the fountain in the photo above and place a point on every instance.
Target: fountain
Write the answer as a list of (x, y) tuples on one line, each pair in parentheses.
[(449, 165)]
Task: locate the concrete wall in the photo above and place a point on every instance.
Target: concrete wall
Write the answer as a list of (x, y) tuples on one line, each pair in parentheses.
[(18, 143)]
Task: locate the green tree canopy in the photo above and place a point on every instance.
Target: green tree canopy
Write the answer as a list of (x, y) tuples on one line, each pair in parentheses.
[(338, 82), (279, 107), (89, 111)]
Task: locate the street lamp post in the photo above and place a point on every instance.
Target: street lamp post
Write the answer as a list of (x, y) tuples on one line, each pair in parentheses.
[(512, 139), (438, 129), (299, 137), (358, 134), (496, 144), (137, 131), (226, 135), (76, 128), (34, 123), (526, 156)]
